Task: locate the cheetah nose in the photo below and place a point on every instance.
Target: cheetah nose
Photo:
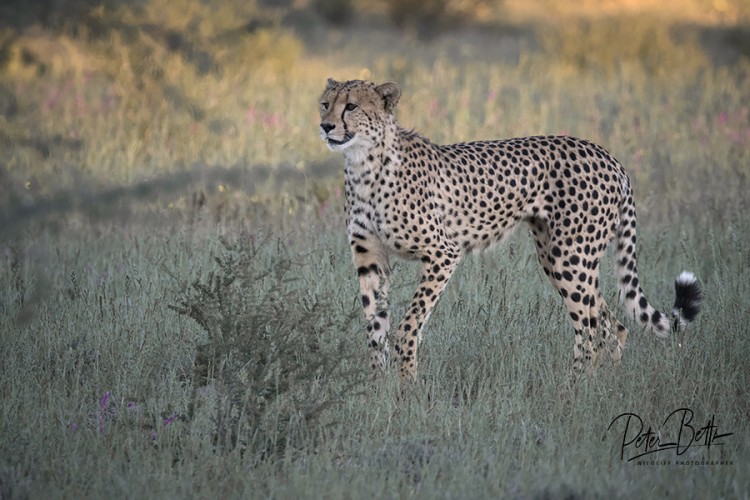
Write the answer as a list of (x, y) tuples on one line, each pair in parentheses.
[(327, 127)]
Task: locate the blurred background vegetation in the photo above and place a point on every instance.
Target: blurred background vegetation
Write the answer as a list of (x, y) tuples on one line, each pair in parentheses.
[(109, 104)]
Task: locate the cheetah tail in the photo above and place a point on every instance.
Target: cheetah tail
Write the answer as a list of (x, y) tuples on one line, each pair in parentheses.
[(688, 292), (688, 299)]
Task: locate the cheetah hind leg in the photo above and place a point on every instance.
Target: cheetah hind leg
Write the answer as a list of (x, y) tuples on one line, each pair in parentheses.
[(614, 345), (603, 339)]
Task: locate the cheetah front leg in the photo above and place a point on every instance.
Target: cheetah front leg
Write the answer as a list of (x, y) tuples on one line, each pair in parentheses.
[(373, 272), (435, 275)]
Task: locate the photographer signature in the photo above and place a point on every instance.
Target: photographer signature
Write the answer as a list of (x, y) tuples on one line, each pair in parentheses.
[(640, 443)]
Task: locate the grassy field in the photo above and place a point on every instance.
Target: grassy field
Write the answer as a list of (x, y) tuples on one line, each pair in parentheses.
[(179, 315), (101, 395)]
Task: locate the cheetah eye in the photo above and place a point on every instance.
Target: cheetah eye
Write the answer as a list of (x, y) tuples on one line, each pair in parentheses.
[(324, 105), (351, 106)]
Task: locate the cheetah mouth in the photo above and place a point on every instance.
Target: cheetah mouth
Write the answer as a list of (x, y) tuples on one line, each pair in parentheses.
[(334, 142)]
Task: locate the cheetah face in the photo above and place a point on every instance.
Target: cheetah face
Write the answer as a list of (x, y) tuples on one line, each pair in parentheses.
[(353, 113)]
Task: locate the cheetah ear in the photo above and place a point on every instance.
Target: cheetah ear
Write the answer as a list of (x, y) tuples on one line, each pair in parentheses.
[(390, 92), (331, 83)]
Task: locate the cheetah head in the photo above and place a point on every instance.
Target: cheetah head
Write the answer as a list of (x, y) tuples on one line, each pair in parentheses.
[(353, 114)]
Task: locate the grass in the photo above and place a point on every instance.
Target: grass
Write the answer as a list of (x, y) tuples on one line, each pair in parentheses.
[(179, 316), (495, 413)]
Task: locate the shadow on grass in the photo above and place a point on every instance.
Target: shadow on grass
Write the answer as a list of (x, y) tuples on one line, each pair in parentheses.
[(258, 185)]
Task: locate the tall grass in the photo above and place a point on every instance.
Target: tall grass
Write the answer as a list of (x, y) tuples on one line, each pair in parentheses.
[(105, 389)]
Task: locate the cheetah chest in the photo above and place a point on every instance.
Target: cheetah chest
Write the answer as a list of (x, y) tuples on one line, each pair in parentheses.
[(381, 204)]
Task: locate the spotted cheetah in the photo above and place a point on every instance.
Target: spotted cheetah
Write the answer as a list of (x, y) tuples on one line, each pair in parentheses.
[(408, 197)]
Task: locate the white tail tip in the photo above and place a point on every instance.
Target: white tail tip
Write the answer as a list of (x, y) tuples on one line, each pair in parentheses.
[(686, 278)]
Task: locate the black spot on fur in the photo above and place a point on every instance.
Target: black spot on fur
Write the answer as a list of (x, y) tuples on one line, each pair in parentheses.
[(656, 317)]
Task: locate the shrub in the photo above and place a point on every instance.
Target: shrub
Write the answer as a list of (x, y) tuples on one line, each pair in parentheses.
[(336, 12), (429, 17), (612, 45), (268, 360)]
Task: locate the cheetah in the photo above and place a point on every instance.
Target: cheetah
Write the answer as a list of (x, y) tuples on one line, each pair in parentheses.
[(408, 197)]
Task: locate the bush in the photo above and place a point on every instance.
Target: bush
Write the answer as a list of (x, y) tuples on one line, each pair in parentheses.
[(335, 12), (429, 17), (269, 360), (610, 46)]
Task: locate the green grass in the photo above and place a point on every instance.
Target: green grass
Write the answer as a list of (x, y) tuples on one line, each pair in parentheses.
[(495, 413), (127, 170)]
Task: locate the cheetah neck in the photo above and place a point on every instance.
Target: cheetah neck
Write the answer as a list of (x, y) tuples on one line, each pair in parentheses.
[(368, 153), (365, 169), (365, 161)]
